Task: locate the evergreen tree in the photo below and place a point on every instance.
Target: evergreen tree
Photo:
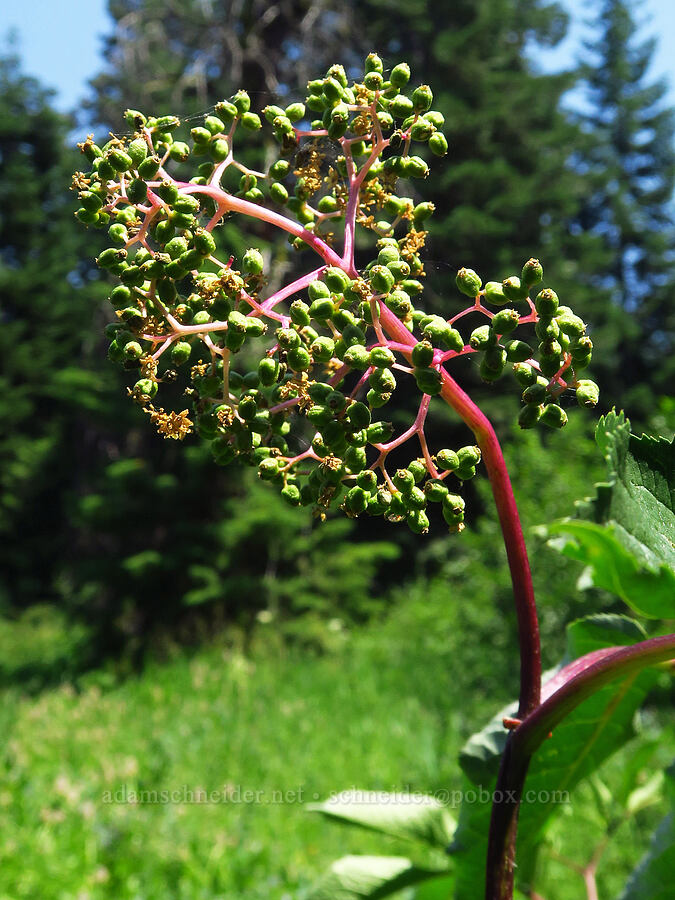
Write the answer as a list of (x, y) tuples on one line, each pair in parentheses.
[(630, 160), (188, 55), (44, 303)]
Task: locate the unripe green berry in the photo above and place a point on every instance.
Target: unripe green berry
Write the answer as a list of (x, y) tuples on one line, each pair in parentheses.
[(404, 480), (268, 469), (429, 381), (494, 360), (358, 415), (119, 160), (118, 233), (137, 190), (201, 318), (414, 167), (553, 415), (251, 121), (145, 387), (252, 262), (134, 118), (356, 500), (322, 308), (422, 355), (373, 81), (401, 106), (417, 521), (219, 149), (400, 75), (546, 302), (571, 325), (468, 282), (588, 393), (525, 374), (377, 399), (505, 321), (379, 432), (536, 393), (382, 380), (133, 350), (367, 480), (180, 353), (205, 243), (494, 293), (382, 357), (453, 508), (518, 351), (399, 303), (422, 98), (447, 460), (482, 338), (469, 456), (374, 63), (336, 280), (465, 473), (438, 144), (435, 490), (291, 494), (111, 256), (278, 192), (214, 124), (529, 416), (532, 273), (317, 290), (179, 151), (381, 279), (415, 498), (514, 289), (298, 359), (547, 329)]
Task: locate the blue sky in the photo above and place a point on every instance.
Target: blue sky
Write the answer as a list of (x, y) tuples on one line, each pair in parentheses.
[(60, 41)]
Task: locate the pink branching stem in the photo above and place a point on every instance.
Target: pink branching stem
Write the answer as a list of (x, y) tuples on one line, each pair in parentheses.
[(477, 307), (262, 311), (355, 183), (285, 404), (433, 471), (293, 288), (362, 380), (306, 454)]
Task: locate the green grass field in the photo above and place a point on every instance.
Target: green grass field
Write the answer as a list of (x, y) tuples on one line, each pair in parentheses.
[(269, 730)]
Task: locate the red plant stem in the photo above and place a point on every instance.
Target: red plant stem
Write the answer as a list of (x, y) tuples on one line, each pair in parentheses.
[(504, 820), (521, 578)]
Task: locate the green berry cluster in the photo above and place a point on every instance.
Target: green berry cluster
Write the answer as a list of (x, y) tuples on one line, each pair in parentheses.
[(546, 370), (296, 382)]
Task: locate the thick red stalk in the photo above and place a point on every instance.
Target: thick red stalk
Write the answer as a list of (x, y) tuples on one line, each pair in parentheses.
[(521, 578)]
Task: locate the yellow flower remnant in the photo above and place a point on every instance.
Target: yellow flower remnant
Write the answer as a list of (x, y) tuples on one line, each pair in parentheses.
[(169, 425)]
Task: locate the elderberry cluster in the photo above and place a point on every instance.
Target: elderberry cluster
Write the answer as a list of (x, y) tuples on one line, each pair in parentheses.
[(295, 379)]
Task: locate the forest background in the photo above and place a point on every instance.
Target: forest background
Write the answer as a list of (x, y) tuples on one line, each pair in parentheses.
[(140, 582)]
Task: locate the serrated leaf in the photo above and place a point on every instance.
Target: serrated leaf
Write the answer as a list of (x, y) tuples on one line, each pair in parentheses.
[(410, 816), (613, 568), (653, 876), (372, 877), (626, 534), (591, 733)]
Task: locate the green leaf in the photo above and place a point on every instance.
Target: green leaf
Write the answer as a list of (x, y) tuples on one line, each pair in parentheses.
[(414, 817), (590, 734), (653, 877), (354, 877), (626, 534)]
